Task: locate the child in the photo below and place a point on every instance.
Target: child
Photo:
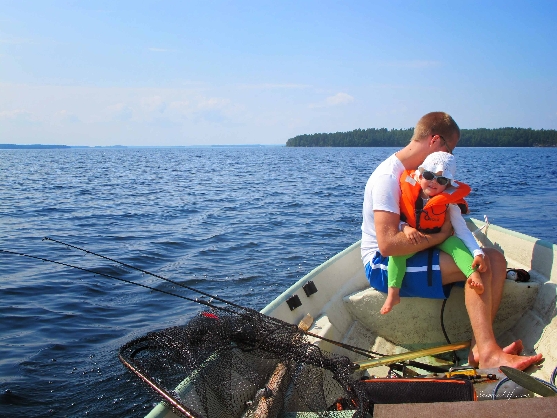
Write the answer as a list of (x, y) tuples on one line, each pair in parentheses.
[(428, 195)]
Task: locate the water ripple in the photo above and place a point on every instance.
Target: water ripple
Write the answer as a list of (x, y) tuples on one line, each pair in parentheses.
[(243, 223)]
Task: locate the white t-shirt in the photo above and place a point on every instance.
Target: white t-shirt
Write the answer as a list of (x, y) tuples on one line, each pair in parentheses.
[(382, 192)]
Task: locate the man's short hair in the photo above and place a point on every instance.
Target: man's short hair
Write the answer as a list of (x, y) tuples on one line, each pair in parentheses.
[(435, 123)]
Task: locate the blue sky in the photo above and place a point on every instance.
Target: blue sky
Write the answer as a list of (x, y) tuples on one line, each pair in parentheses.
[(260, 72)]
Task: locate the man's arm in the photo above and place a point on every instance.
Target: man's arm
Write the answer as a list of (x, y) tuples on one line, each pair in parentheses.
[(392, 241)]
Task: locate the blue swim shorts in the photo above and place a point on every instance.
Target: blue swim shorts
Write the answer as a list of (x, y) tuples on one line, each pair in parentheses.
[(422, 278)]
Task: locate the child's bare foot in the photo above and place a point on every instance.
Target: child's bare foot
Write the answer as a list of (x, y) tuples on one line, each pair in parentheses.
[(390, 302), (475, 282)]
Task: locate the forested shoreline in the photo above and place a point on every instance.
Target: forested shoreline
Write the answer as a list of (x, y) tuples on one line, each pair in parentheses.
[(482, 137)]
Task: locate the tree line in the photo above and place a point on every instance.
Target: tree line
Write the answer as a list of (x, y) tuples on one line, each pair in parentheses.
[(482, 137), (34, 146)]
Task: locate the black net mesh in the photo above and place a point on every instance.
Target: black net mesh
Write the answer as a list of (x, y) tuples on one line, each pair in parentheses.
[(239, 363)]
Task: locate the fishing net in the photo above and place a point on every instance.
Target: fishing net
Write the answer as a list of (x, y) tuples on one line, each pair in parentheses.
[(234, 363)]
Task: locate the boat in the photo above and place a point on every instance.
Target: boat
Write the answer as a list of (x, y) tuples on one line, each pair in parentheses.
[(342, 307)]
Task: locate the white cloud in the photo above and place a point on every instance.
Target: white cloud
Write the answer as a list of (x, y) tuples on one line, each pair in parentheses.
[(161, 50), (212, 103), (66, 116), (18, 114), (180, 106), (120, 111), (88, 115), (115, 108), (411, 64), (153, 104), (270, 86), (336, 100), (339, 99), (15, 41)]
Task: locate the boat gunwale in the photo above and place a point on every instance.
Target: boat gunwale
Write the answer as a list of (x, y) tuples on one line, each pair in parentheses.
[(299, 283), (513, 233)]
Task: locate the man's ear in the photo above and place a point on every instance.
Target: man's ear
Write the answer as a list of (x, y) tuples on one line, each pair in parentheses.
[(433, 140)]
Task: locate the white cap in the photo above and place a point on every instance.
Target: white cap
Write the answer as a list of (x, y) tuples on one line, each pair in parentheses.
[(440, 162)]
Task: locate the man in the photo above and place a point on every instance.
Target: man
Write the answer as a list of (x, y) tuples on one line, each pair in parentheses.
[(432, 271)]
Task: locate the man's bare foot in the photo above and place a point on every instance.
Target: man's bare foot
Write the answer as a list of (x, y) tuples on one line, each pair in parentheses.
[(390, 302), (511, 360), (514, 348), (475, 282)]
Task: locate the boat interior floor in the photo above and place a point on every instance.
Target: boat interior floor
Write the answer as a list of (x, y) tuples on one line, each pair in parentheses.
[(416, 324)]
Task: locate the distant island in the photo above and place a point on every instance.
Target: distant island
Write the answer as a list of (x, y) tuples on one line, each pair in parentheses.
[(41, 146), (34, 146), (500, 137)]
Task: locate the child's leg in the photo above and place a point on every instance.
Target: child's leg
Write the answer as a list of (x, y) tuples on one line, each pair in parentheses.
[(395, 269), (463, 260)]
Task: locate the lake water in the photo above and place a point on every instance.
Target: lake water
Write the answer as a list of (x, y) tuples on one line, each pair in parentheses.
[(241, 222)]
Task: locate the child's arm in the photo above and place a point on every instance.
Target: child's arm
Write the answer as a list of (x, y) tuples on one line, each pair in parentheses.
[(462, 232), (412, 234)]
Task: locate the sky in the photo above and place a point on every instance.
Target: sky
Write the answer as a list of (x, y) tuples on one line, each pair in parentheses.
[(179, 73)]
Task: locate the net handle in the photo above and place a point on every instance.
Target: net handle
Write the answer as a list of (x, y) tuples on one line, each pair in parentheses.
[(265, 403)]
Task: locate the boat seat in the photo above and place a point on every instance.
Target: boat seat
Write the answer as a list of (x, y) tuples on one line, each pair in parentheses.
[(418, 324), (323, 327)]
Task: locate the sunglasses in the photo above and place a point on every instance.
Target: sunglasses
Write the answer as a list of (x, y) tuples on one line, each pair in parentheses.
[(446, 145), (442, 181)]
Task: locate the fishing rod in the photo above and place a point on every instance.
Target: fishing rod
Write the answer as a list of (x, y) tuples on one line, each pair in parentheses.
[(357, 350)]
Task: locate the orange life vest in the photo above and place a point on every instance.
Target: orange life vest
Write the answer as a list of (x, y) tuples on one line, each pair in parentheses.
[(431, 216)]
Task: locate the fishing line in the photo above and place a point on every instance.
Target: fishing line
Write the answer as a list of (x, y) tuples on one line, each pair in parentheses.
[(202, 302), (357, 350), (149, 273)]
